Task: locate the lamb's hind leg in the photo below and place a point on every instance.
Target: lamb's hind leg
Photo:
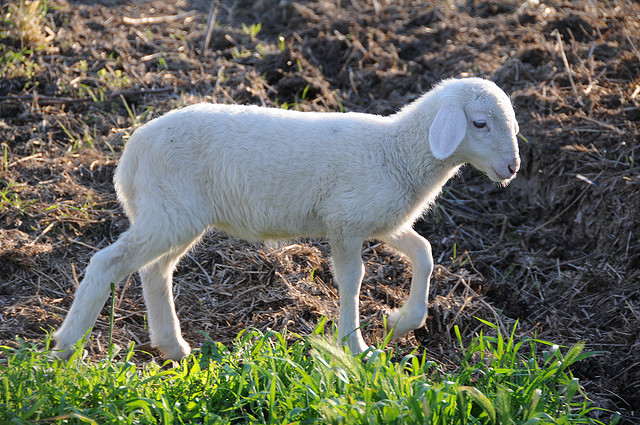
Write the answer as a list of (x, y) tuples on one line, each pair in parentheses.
[(134, 249), (164, 326), (414, 313)]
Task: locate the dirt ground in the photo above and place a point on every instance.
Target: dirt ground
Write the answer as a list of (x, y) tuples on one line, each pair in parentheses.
[(557, 250)]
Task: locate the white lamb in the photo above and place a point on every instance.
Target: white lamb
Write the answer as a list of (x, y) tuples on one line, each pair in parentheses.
[(269, 174)]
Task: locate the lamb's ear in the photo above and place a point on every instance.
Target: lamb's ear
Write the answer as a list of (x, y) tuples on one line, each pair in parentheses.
[(447, 130)]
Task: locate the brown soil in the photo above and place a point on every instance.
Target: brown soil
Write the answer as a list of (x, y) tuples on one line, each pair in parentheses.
[(557, 250)]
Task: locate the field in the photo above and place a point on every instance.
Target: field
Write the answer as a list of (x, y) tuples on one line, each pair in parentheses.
[(558, 250)]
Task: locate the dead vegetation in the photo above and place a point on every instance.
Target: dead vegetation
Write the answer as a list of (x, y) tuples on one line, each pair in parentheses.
[(557, 250)]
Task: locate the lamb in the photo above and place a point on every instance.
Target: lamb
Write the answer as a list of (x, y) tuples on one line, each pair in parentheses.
[(270, 174)]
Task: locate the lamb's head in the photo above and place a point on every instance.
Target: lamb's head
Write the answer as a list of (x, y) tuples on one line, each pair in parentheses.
[(474, 122)]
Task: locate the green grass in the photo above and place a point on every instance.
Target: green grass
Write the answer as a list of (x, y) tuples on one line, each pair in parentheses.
[(266, 380), (10, 197), (22, 24)]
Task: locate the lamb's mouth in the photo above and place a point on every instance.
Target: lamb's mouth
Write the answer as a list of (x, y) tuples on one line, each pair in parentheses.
[(499, 178)]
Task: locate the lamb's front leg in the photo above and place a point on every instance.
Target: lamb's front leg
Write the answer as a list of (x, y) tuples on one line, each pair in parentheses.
[(414, 313), (348, 271)]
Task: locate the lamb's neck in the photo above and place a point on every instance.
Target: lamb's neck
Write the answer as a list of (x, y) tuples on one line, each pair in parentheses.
[(424, 173)]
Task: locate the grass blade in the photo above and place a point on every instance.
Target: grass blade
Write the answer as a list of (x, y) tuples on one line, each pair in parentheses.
[(482, 401)]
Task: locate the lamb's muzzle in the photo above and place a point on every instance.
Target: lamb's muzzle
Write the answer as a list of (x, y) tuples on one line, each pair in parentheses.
[(512, 169), (267, 174)]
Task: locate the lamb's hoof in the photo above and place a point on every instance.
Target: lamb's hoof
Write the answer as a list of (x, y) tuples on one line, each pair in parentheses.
[(176, 352), (60, 354), (391, 325), (357, 348), (64, 347), (371, 354), (400, 323)]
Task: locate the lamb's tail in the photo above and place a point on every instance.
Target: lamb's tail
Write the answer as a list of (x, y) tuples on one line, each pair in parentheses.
[(125, 175)]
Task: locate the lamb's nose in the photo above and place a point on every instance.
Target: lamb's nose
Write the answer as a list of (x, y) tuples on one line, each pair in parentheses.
[(514, 166)]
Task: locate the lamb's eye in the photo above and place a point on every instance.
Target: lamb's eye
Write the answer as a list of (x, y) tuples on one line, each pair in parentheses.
[(479, 123)]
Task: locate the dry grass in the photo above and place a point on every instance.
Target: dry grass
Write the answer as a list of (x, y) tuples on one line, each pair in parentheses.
[(28, 18)]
